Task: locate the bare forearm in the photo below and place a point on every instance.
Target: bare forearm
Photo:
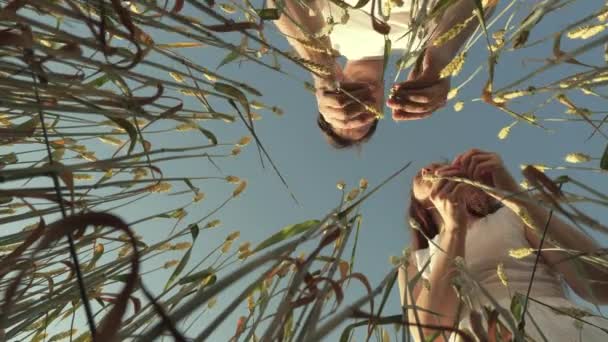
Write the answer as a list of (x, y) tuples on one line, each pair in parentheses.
[(441, 298), (299, 23), (461, 13), (571, 238), (298, 19)]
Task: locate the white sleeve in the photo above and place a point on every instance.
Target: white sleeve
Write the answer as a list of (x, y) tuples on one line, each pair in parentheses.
[(422, 256), (509, 216)]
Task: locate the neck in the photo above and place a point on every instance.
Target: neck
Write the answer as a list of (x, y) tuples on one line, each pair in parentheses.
[(437, 219)]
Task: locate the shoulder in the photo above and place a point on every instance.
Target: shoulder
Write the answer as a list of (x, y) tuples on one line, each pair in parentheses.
[(505, 215)]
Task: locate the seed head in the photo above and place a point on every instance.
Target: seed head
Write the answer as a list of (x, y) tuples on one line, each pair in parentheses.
[(363, 184), (244, 141), (521, 253), (199, 196), (213, 224), (454, 67), (239, 188), (577, 157), (177, 77), (458, 106), (340, 185), (585, 32), (232, 179), (181, 246), (452, 93), (500, 271), (170, 264), (352, 194), (233, 236), (160, 187)]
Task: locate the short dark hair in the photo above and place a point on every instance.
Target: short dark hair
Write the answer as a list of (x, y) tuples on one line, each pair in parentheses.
[(338, 141)]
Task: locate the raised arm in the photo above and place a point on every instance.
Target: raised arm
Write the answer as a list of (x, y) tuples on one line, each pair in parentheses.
[(425, 90), (589, 281), (440, 298), (477, 163), (300, 21), (462, 12)]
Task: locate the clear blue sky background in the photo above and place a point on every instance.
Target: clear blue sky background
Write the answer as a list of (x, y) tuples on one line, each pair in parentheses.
[(312, 168)]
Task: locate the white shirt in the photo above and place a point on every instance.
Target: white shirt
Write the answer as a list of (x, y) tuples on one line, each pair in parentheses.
[(358, 40), (487, 245), (488, 242)]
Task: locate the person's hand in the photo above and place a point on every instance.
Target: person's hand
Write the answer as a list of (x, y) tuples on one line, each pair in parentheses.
[(423, 93), (486, 168), (346, 111), (447, 197)]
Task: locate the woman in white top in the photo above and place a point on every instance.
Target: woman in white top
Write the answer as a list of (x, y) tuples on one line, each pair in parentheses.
[(463, 221), (344, 121)]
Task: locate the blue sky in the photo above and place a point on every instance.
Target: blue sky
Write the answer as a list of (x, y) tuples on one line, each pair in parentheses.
[(312, 168)]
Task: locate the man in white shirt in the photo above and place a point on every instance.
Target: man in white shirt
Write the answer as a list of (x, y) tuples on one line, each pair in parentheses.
[(346, 119)]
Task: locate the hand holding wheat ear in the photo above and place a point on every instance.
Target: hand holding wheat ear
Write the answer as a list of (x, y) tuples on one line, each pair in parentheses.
[(486, 171), (486, 168), (459, 179), (424, 92), (348, 107), (447, 198)]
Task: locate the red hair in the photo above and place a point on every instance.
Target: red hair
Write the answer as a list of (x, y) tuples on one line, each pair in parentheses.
[(422, 224)]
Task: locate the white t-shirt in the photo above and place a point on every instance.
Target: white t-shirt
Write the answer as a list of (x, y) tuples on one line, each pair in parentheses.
[(488, 244), (358, 40)]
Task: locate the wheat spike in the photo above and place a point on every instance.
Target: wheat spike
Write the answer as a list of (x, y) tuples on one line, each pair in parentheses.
[(585, 32), (500, 271), (312, 66), (576, 158), (521, 253), (453, 32), (454, 67)]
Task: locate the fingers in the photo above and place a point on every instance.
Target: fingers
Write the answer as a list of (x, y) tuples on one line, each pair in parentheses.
[(461, 158), (353, 113), (341, 106), (446, 190), (349, 86), (358, 121), (455, 196), (422, 98), (451, 192), (419, 85), (485, 167), (479, 165), (423, 92), (470, 163), (346, 112), (352, 86), (420, 102), (441, 182), (414, 107), (443, 187), (338, 99), (399, 115), (413, 104), (349, 94), (346, 108), (355, 108)]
